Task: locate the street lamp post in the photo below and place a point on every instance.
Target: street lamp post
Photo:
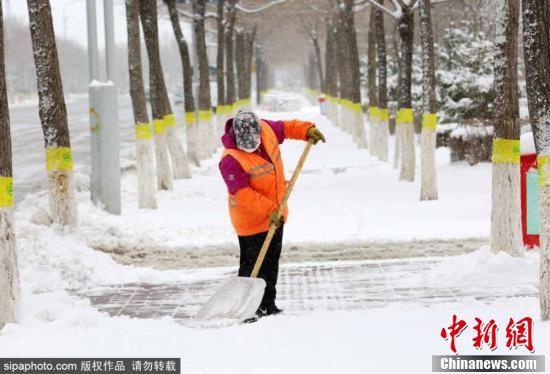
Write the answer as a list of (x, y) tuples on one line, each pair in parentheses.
[(105, 177)]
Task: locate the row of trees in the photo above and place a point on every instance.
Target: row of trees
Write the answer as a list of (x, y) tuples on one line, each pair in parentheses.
[(341, 83), (233, 77), (336, 84), (156, 138)]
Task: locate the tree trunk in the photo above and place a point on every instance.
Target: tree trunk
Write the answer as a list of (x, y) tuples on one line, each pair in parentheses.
[(220, 78), (251, 36), (222, 110), (319, 61), (240, 64), (343, 72), (396, 129), (536, 38), (53, 115), (206, 129), (189, 103), (9, 274), (506, 210), (428, 175), (354, 106), (405, 117), (371, 83), (331, 75), (157, 90), (231, 94), (383, 114), (144, 145)]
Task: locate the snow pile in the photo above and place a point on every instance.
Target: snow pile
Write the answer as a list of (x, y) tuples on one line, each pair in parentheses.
[(484, 269), (51, 260)]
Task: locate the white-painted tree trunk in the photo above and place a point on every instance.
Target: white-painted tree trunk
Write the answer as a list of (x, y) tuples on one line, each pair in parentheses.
[(9, 275), (332, 113), (358, 119), (373, 134), (506, 208), (192, 140), (397, 150), (342, 119), (337, 117), (428, 178), (221, 118), (146, 174), (204, 145), (408, 157), (384, 133), (62, 198), (347, 121), (215, 137), (180, 164), (164, 174), (352, 129), (544, 274)]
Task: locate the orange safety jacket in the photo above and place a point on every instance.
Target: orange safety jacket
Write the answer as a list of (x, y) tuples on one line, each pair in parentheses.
[(250, 207)]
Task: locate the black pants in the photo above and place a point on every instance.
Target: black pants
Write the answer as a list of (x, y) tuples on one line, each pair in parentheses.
[(250, 248)]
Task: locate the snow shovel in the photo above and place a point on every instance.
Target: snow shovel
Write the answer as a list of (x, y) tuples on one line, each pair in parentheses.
[(240, 297)]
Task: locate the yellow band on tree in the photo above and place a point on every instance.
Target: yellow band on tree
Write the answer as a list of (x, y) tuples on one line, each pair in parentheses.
[(373, 112), (190, 118), (6, 192), (383, 114), (169, 120), (159, 126), (143, 131), (506, 151), (59, 158), (224, 109), (205, 115), (405, 115), (356, 107), (543, 165), (346, 103), (429, 121)]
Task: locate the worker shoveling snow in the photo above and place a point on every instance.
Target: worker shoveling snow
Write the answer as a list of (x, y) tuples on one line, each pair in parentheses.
[(254, 152)]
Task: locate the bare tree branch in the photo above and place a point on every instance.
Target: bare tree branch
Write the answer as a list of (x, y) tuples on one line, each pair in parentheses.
[(260, 8), (395, 13), (190, 15)]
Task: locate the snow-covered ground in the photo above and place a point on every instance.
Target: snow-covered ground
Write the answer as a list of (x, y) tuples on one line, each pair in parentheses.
[(343, 196)]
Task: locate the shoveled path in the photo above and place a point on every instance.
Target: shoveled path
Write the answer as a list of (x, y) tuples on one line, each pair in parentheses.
[(306, 286)]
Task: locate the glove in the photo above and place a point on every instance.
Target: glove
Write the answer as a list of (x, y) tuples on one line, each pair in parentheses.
[(315, 134), (274, 221)]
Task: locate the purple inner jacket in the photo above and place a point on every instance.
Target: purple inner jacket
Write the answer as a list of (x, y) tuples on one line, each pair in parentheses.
[(233, 174)]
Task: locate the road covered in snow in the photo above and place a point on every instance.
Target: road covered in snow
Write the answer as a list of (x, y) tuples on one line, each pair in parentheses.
[(371, 274)]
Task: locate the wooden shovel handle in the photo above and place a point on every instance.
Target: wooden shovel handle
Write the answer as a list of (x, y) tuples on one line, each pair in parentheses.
[(273, 228)]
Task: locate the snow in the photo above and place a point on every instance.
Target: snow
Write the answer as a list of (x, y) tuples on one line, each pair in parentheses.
[(371, 204), (527, 143), (343, 195), (96, 83)]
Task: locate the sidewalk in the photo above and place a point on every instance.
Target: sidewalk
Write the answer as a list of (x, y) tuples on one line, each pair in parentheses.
[(303, 288)]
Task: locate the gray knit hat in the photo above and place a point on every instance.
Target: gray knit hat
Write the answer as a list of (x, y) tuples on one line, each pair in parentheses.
[(246, 127)]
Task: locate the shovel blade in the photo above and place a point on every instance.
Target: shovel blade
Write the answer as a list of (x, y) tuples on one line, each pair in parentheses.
[(238, 299)]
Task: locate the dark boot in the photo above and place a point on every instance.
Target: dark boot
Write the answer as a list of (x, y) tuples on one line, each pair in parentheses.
[(268, 310)]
